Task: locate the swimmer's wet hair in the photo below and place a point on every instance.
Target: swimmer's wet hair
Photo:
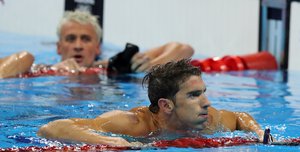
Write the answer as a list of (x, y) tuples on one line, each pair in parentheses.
[(81, 17), (164, 80)]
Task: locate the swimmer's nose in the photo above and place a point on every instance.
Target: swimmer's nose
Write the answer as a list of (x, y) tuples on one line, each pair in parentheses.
[(78, 46), (205, 103)]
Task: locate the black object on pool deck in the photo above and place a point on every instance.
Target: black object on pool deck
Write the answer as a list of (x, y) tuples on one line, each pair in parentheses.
[(120, 63)]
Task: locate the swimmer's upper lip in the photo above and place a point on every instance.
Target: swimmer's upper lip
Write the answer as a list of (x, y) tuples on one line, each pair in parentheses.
[(203, 114)]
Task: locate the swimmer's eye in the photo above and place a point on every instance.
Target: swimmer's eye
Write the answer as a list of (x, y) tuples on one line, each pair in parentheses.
[(70, 38), (86, 38), (196, 93)]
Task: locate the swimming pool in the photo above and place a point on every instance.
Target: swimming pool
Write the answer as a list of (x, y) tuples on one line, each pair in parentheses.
[(271, 97)]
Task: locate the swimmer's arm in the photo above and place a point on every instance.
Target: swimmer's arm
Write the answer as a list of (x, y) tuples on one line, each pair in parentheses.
[(247, 123), (71, 130), (122, 122), (172, 51), (240, 121), (15, 64)]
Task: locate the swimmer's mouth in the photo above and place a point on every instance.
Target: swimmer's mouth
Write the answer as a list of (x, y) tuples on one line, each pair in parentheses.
[(203, 115), (78, 58)]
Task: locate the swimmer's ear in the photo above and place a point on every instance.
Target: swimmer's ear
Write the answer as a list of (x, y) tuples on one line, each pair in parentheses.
[(165, 105)]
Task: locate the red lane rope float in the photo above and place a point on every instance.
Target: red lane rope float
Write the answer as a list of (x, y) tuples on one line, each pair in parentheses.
[(69, 148), (179, 143), (50, 72), (256, 61), (205, 142)]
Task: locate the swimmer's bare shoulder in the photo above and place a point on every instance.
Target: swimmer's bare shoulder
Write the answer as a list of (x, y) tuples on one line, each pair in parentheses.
[(220, 120), (136, 122), (224, 120)]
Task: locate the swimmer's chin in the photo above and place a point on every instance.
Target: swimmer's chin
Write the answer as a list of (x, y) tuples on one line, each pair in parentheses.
[(201, 127)]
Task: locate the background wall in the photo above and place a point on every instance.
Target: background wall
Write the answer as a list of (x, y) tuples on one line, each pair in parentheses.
[(294, 50), (32, 17), (212, 27)]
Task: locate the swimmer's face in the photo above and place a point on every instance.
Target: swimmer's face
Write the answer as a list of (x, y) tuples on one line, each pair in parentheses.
[(78, 41), (191, 104)]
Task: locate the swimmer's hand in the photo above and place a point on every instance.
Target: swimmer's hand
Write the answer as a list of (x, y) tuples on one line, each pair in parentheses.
[(140, 62), (15, 64), (68, 66), (137, 144), (260, 134), (119, 141), (115, 141)]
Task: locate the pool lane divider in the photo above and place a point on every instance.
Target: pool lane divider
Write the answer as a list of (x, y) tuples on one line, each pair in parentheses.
[(50, 72), (256, 61), (120, 64), (188, 142), (163, 144)]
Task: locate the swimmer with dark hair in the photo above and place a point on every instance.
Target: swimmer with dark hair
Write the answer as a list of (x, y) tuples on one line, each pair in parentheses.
[(178, 106)]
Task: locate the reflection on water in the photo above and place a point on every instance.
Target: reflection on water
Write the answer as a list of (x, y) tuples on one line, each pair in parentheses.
[(25, 104)]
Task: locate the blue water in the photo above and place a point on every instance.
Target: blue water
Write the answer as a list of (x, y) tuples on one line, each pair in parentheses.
[(272, 98)]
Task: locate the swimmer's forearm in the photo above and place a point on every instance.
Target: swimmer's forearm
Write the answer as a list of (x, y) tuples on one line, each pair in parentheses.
[(15, 64), (171, 51), (66, 130)]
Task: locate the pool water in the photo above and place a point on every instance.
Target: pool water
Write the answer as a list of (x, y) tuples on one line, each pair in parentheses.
[(271, 97)]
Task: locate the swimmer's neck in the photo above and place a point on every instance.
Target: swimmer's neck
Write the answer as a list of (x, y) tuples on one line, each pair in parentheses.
[(164, 123)]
